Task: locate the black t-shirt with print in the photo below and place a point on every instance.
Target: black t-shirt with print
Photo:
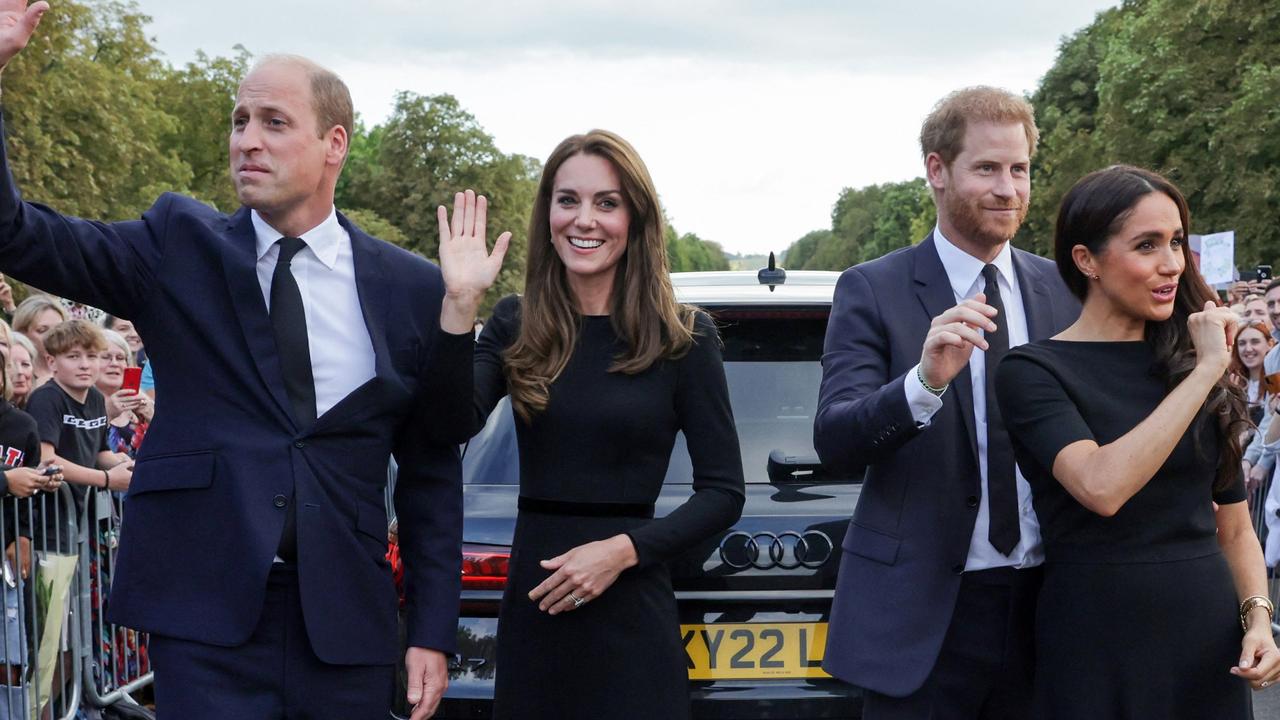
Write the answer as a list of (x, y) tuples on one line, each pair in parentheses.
[(78, 432), (19, 447)]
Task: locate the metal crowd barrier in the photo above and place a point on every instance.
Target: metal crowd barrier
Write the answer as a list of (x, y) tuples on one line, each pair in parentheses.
[(61, 660)]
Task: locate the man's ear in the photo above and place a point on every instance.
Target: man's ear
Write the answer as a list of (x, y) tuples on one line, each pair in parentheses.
[(936, 171), (336, 141)]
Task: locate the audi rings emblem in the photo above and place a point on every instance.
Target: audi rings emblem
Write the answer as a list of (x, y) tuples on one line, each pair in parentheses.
[(787, 550)]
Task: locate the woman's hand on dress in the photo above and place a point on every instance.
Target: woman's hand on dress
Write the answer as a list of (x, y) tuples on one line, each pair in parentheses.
[(469, 269), (584, 572), (1259, 657), (1213, 332)]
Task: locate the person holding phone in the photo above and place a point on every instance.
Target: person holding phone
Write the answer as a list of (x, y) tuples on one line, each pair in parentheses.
[(1154, 602), (128, 410)]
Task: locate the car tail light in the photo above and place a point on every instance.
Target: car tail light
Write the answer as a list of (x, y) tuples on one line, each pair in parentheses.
[(484, 567)]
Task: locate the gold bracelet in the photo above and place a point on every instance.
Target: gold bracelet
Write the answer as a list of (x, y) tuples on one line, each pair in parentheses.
[(1256, 601)]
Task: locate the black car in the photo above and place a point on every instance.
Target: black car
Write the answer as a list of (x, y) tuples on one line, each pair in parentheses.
[(754, 601)]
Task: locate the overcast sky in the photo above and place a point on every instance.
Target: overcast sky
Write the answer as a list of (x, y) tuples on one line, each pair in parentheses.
[(751, 115)]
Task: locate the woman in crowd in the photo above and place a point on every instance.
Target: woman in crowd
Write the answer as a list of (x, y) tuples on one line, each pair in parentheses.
[(1128, 428), (35, 317), (603, 368), (131, 336), (1253, 340), (128, 411), (22, 369)]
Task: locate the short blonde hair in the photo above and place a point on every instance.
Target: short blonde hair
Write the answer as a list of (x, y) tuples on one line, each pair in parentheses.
[(25, 316), (943, 130)]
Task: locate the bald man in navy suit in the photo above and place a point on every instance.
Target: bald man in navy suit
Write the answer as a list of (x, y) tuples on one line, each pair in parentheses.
[(297, 354)]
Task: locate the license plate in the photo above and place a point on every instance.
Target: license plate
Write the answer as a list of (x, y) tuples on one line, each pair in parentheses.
[(733, 651)]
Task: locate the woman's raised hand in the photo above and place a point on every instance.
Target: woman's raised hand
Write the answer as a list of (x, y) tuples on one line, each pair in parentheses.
[(1213, 332), (468, 267)]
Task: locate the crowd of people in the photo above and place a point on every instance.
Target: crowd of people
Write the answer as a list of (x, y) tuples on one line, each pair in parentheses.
[(67, 424)]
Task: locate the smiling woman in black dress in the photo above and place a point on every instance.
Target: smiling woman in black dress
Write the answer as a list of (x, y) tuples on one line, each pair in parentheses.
[(1128, 431), (603, 368)]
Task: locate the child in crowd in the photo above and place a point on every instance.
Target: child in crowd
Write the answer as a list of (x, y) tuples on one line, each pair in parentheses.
[(71, 418)]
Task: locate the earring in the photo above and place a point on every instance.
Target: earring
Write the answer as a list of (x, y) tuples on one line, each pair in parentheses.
[(1095, 277)]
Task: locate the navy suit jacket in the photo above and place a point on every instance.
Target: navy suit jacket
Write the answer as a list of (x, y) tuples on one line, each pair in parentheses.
[(909, 537), (223, 454)]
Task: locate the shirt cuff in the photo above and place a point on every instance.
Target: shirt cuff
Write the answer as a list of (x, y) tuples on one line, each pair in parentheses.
[(923, 403)]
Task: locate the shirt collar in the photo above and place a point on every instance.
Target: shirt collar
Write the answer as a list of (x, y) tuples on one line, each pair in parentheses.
[(323, 239), (964, 271)]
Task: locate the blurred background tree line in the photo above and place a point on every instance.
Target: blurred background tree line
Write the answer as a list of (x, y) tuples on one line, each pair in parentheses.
[(98, 125), (1190, 88)]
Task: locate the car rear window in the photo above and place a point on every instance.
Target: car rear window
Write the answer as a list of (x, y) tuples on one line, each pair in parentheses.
[(772, 365)]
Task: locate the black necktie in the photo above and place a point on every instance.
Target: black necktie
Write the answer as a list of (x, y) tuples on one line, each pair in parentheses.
[(289, 325), (1002, 488)]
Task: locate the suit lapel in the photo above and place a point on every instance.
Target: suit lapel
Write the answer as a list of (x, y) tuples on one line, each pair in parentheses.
[(371, 286), (933, 288), (240, 267), (1037, 301)]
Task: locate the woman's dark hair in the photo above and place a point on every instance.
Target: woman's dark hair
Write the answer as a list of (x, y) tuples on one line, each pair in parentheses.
[(1094, 210)]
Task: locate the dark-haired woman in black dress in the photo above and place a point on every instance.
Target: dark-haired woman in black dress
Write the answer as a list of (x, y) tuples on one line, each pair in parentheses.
[(1128, 431)]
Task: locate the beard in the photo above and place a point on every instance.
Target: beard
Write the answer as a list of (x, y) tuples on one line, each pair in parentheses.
[(973, 223)]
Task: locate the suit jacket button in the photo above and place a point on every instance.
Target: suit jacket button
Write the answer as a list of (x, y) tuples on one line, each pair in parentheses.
[(971, 501), (299, 444), (279, 501)]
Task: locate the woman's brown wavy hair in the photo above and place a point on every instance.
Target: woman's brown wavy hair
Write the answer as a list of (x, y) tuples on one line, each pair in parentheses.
[(643, 308), (1094, 210)]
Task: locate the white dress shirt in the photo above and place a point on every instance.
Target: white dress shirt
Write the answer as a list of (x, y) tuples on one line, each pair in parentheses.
[(964, 271), (341, 351)]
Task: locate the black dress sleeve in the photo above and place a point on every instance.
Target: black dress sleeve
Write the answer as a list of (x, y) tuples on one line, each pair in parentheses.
[(495, 338), (1038, 413), (705, 417), (1233, 493)]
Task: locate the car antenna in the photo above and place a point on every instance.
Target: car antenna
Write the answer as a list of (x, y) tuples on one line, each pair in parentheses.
[(772, 275)]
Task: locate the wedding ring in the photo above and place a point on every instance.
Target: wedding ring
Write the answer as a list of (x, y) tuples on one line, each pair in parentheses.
[(577, 601)]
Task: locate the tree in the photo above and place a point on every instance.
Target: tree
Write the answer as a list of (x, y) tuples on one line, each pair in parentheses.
[(200, 96), (85, 120), (429, 149)]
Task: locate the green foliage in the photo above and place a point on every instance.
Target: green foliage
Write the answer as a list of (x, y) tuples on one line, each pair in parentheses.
[(201, 96), (1184, 87), (865, 224), (379, 227), (84, 114), (688, 252), (429, 149)]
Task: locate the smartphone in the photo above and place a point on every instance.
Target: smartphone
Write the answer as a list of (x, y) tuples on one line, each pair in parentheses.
[(51, 470), (132, 379), (1264, 273)]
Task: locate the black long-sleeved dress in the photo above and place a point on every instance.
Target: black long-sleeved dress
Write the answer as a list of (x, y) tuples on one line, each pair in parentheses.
[(591, 467)]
